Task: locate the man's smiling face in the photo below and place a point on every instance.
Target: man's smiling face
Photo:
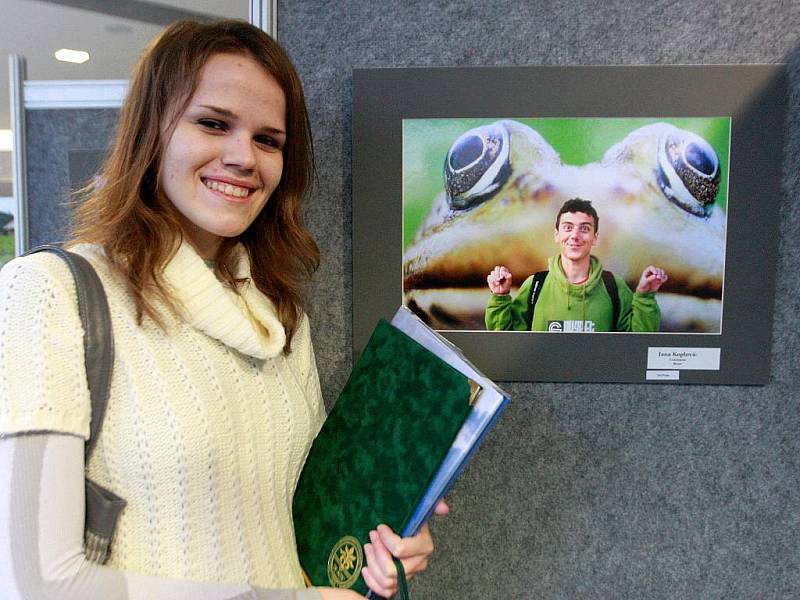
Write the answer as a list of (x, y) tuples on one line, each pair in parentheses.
[(576, 235)]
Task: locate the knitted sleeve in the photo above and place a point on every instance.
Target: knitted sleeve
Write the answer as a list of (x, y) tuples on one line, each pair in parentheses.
[(42, 517), (43, 380)]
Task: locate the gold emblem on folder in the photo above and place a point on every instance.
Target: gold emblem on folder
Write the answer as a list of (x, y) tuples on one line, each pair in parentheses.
[(345, 562)]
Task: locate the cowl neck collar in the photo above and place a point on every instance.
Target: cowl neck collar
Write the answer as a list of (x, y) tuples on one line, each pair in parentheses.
[(245, 321)]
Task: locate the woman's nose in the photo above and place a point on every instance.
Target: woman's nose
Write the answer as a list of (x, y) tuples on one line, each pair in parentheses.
[(239, 153)]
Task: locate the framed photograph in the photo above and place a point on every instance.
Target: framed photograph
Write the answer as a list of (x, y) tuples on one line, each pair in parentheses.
[(460, 177), (7, 210)]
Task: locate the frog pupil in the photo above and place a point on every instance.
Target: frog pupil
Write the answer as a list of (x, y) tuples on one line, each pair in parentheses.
[(698, 158), (468, 151)]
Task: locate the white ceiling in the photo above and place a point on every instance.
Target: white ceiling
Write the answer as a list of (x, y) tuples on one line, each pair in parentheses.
[(35, 29)]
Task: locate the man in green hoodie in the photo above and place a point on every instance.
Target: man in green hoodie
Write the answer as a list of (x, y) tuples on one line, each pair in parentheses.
[(575, 295)]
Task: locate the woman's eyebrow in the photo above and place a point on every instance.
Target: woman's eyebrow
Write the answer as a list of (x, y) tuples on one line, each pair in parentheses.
[(222, 111)]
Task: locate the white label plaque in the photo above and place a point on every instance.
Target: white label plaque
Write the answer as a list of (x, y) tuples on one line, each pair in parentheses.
[(654, 375), (706, 359)]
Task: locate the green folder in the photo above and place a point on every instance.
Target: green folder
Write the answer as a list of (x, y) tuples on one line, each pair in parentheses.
[(378, 450)]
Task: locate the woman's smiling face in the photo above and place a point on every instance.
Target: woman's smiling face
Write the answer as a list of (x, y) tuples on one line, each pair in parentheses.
[(225, 156)]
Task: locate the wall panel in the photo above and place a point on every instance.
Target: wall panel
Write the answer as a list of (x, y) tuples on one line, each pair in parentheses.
[(583, 491)]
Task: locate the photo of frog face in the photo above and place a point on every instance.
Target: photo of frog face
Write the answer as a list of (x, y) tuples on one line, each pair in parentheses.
[(484, 192)]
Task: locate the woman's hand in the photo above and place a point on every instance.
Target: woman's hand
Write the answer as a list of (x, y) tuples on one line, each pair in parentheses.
[(380, 574)]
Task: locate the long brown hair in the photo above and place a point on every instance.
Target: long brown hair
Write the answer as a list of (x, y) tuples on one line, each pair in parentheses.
[(125, 212)]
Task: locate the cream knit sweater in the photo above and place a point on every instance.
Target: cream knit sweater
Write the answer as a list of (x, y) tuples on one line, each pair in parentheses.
[(207, 427)]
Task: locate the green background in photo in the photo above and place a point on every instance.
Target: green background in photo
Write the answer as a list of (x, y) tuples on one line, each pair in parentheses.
[(6, 248), (578, 141)]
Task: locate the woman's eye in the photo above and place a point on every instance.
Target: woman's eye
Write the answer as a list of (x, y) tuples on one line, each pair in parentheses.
[(212, 124), (266, 140)]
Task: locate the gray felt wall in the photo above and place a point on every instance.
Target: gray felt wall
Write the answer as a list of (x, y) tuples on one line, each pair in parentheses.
[(62, 146), (581, 491)]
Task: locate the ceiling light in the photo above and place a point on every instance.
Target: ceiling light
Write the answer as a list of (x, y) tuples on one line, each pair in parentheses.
[(73, 56)]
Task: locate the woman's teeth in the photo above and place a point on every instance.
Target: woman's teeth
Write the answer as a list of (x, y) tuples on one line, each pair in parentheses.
[(227, 188)]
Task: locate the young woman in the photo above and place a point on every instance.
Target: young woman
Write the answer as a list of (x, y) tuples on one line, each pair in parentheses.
[(194, 227)]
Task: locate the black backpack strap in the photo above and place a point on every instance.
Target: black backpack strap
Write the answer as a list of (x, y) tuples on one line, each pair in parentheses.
[(613, 292), (98, 343), (538, 282)]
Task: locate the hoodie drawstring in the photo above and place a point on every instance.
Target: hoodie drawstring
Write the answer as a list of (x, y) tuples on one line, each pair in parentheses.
[(583, 300)]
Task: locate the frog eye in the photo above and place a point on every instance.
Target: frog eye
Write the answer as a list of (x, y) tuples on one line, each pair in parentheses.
[(476, 166), (688, 171)]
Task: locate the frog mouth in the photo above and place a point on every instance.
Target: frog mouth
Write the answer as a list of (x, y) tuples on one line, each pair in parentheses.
[(688, 172)]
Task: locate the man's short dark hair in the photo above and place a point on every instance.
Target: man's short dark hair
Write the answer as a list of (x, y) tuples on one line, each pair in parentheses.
[(579, 205)]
